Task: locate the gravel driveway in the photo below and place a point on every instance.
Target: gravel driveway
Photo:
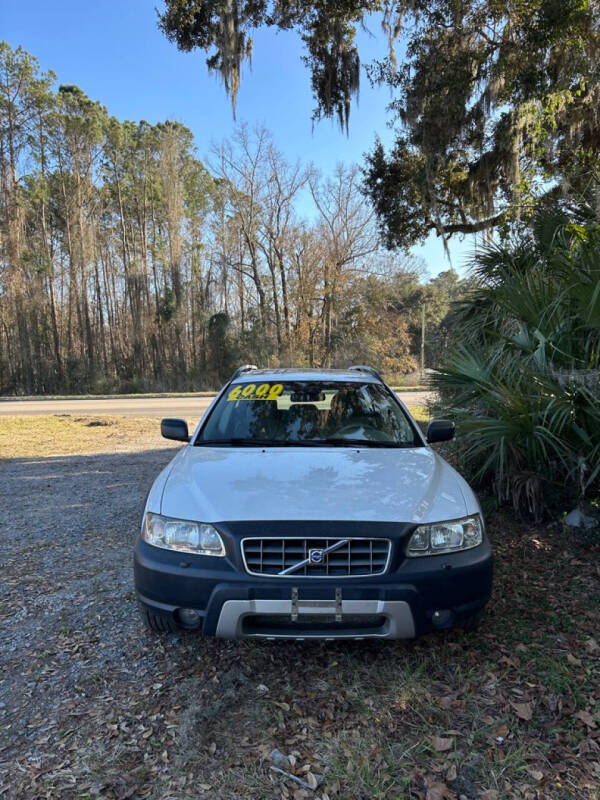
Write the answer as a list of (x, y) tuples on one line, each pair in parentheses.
[(67, 605)]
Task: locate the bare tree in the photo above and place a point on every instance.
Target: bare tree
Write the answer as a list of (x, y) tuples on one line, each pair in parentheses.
[(347, 230)]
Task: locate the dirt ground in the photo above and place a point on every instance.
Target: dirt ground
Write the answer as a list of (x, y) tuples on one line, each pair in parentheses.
[(94, 706)]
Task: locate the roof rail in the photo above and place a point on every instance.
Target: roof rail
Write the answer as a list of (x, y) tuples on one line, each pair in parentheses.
[(240, 370), (371, 371)]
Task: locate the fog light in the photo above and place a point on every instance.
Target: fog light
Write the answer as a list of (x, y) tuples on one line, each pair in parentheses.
[(441, 617), (188, 617)]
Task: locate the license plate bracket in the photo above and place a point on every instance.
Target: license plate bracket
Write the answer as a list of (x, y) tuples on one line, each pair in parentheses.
[(330, 607)]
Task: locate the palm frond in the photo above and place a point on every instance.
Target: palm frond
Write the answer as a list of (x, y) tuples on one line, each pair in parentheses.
[(523, 380)]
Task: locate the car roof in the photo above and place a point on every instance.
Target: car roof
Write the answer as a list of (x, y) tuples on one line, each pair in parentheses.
[(305, 374)]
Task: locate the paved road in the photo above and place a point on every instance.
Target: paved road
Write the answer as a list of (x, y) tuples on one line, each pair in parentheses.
[(191, 407)]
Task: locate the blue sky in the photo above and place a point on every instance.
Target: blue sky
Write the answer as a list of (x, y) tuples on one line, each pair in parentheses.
[(114, 51)]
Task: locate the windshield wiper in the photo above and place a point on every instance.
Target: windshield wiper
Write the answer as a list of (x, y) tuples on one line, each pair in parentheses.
[(365, 443), (242, 442)]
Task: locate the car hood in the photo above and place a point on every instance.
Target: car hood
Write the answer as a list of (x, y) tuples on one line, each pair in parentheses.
[(213, 484)]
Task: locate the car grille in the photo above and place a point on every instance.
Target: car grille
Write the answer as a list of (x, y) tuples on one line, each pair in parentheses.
[(271, 556)]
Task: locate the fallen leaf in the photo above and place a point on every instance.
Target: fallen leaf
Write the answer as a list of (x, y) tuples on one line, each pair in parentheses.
[(523, 710), (284, 706), (440, 744), (553, 702), (311, 780), (573, 661), (592, 645), (502, 731), (586, 717), (489, 794), (451, 774), (535, 774), (512, 662), (588, 746), (439, 791)]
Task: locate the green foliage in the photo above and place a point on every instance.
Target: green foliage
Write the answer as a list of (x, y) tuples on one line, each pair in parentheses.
[(166, 305), (396, 185), (493, 103), (524, 378), (223, 351)]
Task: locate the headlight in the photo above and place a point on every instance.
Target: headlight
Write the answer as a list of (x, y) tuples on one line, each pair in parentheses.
[(446, 537), (182, 535)]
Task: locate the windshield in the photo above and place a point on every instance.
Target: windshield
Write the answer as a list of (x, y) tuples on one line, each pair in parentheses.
[(308, 413)]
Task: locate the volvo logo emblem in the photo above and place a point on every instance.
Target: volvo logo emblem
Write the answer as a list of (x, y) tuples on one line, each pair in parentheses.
[(317, 555)]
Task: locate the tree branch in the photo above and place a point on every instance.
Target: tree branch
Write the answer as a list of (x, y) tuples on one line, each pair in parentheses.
[(467, 227)]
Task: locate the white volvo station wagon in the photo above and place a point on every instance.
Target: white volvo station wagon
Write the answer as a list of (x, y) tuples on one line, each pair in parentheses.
[(308, 503)]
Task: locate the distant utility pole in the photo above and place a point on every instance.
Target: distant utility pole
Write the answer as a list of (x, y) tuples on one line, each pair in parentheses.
[(423, 341)]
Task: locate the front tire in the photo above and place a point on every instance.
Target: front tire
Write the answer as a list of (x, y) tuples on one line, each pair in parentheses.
[(471, 623), (158, 621)]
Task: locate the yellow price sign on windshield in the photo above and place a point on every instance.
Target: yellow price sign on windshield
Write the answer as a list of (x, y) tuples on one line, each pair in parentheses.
[(250, 391), (263, 390)]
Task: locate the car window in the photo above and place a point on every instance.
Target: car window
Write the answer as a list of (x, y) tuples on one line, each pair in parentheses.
[(308, 412)]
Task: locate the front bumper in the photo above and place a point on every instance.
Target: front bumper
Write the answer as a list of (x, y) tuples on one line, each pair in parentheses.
[(231, 603)]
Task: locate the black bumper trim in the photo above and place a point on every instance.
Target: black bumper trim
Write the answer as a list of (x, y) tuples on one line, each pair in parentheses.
[(460, 582)]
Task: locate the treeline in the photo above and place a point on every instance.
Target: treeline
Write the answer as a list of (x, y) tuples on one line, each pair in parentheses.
[(127, 264)]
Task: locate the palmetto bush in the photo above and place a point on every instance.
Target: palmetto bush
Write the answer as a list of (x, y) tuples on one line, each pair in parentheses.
[(524, 376)]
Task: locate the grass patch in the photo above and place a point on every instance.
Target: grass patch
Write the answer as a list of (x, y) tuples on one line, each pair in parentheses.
[(415, 388), (56, 435), (420, 413)]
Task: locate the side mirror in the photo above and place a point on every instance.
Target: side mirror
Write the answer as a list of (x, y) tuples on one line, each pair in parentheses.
[(175, 429), (440, 430)]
